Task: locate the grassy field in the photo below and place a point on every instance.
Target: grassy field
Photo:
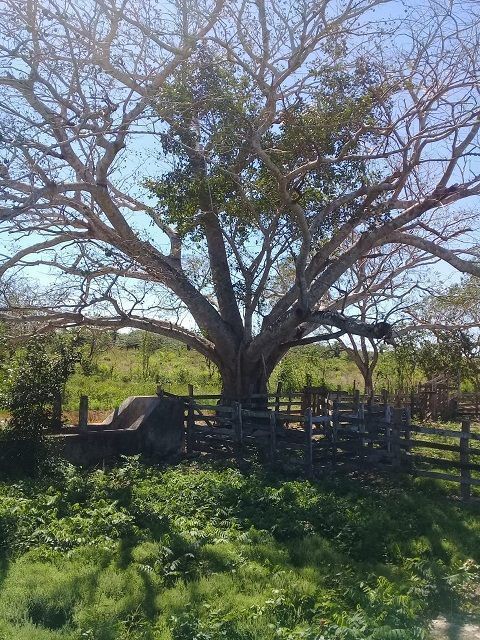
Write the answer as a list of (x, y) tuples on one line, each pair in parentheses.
[(197, 552), (119, 373)]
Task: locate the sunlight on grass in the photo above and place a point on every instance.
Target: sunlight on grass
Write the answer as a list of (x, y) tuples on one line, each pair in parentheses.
[(197, 552)]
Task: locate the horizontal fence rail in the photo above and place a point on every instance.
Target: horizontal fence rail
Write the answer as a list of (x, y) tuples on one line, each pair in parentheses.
[(325, 430), (428, 401), (339, 433)]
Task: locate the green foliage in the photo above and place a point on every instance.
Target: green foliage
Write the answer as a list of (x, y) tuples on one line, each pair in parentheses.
[(197, 552), (33, 382), (212, 107), (92, 343), (460, 303), (453, 355), (317, 365), (125, 370), (405, 356)]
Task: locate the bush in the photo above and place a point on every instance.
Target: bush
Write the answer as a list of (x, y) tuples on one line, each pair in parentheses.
[(34, 382)]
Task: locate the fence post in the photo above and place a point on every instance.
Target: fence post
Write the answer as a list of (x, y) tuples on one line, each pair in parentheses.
[(395, 436), (83, 414), (237, 423), (356, 400), (307, 422), (278, 395), (388, 428), (273, 436), (335, 425), (465, 474), (57, 412), (190, 421)]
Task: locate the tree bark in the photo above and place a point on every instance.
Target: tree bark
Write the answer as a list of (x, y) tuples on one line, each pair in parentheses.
[(246, 376), (368, 381)]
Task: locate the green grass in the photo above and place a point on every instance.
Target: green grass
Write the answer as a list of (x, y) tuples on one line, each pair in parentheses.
[(445, 455), (202, 552), (119, 373)]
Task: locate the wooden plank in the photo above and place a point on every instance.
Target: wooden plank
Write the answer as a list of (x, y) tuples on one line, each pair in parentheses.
[(293, 394), (198, 414), (215, 396), (218, 419), (444, 476), (290, 417), (216, 408), (215, 431), (249, 427), (308, 442), (410, 443), (83, 414), (256, 414), (319, 431), (445, 463)]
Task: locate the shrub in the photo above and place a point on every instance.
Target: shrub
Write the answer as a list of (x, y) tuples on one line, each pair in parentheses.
[(34, 381)]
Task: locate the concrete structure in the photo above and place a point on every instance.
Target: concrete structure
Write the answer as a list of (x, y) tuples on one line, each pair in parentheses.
[(150, 425)]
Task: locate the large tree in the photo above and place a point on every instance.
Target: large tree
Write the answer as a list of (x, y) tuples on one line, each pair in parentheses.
[(167, 160)]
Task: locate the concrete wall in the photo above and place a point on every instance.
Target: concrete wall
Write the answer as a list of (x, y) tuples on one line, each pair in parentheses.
[(154, 427)]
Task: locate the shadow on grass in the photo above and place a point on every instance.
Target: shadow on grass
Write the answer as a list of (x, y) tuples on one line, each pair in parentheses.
[(201, 525)]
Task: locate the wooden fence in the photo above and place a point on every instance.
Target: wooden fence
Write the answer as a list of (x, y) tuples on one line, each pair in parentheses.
[(339, 432), (439, 402)]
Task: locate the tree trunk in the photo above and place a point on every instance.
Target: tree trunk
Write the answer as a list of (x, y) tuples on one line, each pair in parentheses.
[(368, 381), (247, 376), (241, 383), (248, 383)]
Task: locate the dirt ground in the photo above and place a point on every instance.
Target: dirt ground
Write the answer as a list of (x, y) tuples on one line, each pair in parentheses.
[(443, 629)]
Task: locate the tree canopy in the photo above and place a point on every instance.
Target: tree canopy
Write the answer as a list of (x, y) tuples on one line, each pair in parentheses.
[(170, 163)]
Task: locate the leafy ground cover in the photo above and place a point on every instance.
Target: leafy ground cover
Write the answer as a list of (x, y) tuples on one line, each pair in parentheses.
[(204, 552)]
